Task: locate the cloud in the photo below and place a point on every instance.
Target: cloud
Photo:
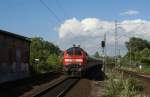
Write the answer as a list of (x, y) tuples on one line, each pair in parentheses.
[(130, 13), (89, 32), (85, 27)]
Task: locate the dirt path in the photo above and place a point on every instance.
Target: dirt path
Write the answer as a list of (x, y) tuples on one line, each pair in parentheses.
[(81, 89), (97, 89)]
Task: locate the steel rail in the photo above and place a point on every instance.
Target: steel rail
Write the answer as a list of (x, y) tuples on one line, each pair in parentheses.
[(48, 88), (59, 89), (132, 73), (62, 94)]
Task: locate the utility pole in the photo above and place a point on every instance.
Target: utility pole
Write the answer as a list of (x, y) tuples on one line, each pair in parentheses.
[(105, 49), (116, 43), (119, 58), (130, 54)]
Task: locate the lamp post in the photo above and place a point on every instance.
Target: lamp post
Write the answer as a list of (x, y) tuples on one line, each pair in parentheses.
[(36, 61)]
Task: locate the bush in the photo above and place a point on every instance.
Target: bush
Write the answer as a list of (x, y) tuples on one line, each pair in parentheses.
[(55, 62), (119, 87), (131, 88), (46, 52), (114, 86)]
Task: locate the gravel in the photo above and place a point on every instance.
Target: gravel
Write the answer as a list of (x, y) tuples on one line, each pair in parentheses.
[(90, 86), (81, 89), (97, 89)]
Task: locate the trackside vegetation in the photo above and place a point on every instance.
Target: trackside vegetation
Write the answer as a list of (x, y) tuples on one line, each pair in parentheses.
[(138, 55), (44, 55), (117, 86)]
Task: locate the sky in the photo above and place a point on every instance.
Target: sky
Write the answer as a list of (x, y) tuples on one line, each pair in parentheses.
[(83, 22)]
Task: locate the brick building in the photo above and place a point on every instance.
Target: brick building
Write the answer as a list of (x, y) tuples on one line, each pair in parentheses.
[(14, 56)]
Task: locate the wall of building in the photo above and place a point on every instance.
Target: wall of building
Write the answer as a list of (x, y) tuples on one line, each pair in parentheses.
[(14, 58)]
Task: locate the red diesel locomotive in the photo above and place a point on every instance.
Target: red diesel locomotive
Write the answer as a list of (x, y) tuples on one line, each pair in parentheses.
[(77, 62)]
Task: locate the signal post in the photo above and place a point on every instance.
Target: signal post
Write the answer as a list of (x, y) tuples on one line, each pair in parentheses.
[(103, 44)]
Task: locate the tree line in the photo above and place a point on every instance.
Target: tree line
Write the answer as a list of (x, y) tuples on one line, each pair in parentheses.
[(50, 56), (138, 52), (44, 55)]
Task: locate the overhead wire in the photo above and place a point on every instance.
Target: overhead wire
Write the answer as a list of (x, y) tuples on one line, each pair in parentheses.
[(61, 7), (50, 10)]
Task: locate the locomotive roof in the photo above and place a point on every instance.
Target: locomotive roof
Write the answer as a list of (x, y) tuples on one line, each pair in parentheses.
[(78, 48)]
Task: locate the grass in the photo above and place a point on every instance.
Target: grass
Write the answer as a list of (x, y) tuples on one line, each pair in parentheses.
[(118, 87), (146, 69)]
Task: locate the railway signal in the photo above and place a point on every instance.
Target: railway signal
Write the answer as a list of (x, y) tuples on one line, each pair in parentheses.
[(103, 44)]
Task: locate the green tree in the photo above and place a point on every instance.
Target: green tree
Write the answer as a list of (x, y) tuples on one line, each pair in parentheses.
[(137, 44), (41, 49), (145, 56), (54, 61), (138, 52), (96, 55)]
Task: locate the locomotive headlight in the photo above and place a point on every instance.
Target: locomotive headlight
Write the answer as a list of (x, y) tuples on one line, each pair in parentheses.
[(68, 60), (79, 60), (73, 60)]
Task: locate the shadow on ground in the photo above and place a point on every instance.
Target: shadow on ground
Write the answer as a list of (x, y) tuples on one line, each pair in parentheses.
[(18, 88), (95, 73)]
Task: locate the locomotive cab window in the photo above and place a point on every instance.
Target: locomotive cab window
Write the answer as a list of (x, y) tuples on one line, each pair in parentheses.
[(70, 51), (78, 52)]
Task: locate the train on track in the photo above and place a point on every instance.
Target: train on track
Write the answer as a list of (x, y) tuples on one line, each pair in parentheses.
[(76, 62)]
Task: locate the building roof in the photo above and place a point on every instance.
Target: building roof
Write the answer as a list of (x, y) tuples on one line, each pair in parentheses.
[(14, 35)]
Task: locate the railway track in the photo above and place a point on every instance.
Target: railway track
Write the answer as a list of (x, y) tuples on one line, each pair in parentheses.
[(59, 89), (136, 74)]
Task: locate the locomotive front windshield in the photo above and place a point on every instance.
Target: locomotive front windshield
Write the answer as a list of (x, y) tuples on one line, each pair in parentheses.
[(77, 51), (70, 51), (74, 51)]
